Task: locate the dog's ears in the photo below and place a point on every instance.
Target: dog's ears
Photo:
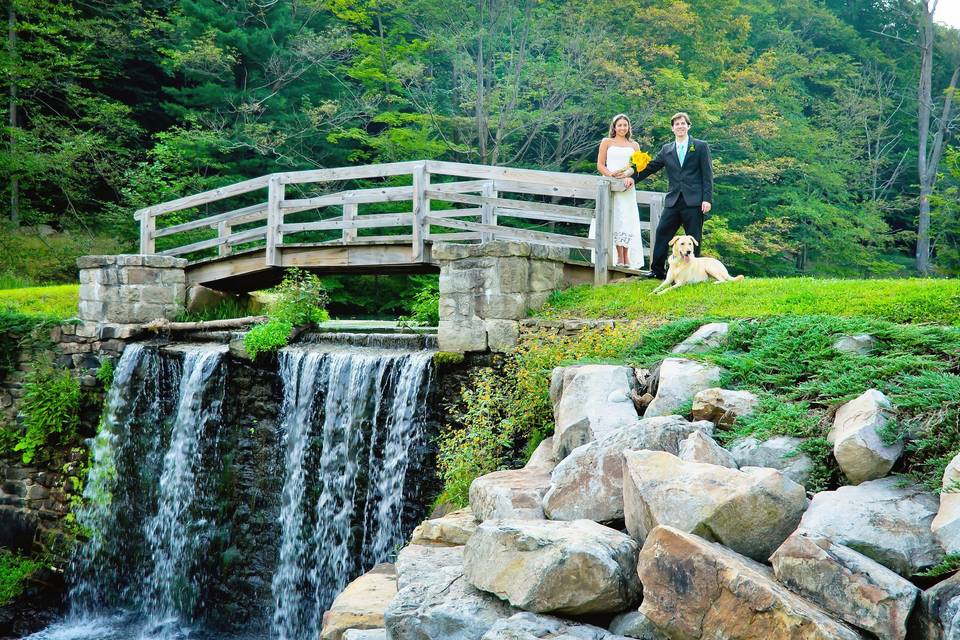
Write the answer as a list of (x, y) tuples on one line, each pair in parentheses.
[(672, 240), (695, 243)]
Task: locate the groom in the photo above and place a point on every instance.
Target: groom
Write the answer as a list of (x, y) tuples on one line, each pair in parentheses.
[(688, 201)]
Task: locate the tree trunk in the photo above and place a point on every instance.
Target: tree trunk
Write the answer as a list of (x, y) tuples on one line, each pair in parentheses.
[(929, 153), (14, 179)]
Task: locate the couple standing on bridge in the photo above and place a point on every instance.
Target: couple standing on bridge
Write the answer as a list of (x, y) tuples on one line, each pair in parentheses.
[(689, 196)]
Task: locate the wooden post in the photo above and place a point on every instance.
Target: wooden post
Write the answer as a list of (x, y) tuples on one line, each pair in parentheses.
[(148, 224), (601, 268), (488, 213), (421, 209), (656, 210), (274, 220), (349, 213), (223, 232)]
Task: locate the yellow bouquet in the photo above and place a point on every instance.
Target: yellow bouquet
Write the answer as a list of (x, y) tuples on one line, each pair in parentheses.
[(639, 159)]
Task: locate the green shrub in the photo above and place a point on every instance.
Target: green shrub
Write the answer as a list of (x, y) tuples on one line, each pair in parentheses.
[(43, 259), (51, 410), (425, 307), (15, 571), (266, 337), (949, 564), (297, 301)]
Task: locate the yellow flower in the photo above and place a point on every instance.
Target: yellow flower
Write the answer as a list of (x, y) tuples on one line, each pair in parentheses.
[(640, 159)]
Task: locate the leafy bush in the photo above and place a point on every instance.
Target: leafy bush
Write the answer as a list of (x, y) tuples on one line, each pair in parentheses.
[(298, 300), (425, 307), (50, 407), (15, 571), (19, 333)]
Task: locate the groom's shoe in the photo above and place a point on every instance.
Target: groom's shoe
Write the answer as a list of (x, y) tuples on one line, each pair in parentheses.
[(656, 276)]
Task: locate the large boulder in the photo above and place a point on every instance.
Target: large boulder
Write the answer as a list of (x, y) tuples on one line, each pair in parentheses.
[(704, 339), (846, 584), (436, 602), (588, 483), (542, 455), (634, 624), (751, 510), (515, 493), (946, 525), (533, 626), (589, 401), (416, 562), (455, 528), (855, 437), (362, 603), (699, 447), (882, 520), (696, 589), (723, 406), (679, 381), (938, 612), (781, 453), (571, 568)]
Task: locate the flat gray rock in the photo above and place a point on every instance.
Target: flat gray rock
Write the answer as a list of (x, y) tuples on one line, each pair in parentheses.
[(881, 520)]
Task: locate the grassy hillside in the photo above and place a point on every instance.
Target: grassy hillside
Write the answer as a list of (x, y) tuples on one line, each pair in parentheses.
[(907, 300), (58, 302), (780, 347)]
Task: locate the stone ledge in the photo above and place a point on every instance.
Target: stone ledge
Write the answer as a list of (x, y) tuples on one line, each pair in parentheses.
[(131, 260)]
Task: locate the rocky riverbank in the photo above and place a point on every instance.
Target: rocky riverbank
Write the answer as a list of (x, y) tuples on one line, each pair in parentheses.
[(635, 522)]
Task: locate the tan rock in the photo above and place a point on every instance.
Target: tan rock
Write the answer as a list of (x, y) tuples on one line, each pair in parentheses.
[(452, 529), (846, 584), (589, 401), (723, 406), (361, 604), (569, 568), (678, 381), (699, 447), (588, 483), (855, 436), (696, 589), (751, 510), (946, 525), (514, 493)]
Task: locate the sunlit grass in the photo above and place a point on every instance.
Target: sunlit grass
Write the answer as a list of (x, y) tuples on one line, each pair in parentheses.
[(903, 301), (57, 302)]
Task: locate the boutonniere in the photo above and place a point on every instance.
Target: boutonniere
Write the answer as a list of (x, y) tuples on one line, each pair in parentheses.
[(692, 148)]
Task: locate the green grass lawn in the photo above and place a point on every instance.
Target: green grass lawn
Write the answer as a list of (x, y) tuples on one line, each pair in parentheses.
[(903, 301), (57, 302)]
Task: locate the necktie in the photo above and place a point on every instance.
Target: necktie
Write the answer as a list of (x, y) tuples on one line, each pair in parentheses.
[(681, 153)]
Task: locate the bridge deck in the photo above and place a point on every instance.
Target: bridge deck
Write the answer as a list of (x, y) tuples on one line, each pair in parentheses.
[(255, 242), (246, 271)]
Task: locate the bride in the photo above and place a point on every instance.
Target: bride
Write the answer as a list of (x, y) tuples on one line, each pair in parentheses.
[(614, 156)]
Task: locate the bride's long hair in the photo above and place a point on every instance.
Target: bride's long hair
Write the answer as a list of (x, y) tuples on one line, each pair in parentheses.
[(613, 123)]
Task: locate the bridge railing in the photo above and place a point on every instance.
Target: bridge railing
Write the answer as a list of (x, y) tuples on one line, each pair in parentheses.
[(485, 195)]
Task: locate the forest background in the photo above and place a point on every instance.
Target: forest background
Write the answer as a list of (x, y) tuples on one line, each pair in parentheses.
[(814, 109)]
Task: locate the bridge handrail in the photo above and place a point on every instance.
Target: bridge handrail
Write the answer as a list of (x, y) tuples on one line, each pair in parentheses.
[(488, 181)]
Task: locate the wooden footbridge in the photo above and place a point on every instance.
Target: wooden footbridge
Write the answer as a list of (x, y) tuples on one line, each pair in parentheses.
[(313, 220)]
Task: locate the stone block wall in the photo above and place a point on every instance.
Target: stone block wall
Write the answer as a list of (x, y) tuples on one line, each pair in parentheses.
[(131, 289), (487, 289), (34, 500)]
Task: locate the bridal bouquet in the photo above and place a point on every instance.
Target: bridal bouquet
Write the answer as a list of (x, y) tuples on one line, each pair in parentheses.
[(639, 160)]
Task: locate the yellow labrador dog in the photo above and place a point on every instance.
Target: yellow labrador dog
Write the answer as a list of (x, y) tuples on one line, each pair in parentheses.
[(686, 268)]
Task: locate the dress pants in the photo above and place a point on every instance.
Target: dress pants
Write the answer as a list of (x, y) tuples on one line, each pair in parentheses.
[(691, 218)]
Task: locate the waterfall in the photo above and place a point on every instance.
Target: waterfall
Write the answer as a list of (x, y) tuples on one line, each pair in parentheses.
[(355, 419), (216, 507)]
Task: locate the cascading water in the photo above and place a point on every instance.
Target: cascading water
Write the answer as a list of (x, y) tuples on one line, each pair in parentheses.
[(356, 418), (243, 519)]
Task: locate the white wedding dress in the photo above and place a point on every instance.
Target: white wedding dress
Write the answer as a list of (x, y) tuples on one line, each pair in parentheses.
[(626, 216)]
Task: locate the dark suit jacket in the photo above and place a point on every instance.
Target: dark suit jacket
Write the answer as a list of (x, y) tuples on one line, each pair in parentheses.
[(694, 179)]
